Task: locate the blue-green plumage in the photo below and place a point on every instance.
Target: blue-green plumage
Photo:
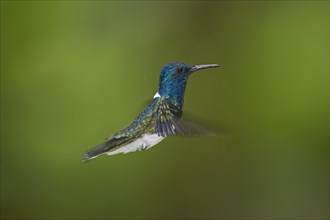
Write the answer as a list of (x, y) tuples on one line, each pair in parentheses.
[(161, 118)]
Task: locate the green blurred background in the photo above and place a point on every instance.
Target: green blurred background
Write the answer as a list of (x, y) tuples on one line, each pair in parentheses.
[(75, 72)]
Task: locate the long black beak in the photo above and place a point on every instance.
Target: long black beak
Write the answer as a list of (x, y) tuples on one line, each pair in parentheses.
[(203, 66)]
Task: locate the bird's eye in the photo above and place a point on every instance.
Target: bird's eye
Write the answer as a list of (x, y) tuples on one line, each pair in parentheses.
[(180, 69)]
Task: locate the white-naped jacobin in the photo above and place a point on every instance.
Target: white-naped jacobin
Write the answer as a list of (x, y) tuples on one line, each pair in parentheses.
[(161, 118)]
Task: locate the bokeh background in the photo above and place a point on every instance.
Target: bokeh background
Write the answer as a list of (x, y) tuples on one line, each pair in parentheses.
[(74, 72)]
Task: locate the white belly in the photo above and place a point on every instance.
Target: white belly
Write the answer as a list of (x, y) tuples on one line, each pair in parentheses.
[(145, 142)]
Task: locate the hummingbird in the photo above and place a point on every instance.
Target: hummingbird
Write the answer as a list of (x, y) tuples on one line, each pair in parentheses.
[(161, 118)]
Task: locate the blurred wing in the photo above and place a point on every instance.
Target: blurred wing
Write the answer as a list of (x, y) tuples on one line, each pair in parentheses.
[(169, 122), (189, 128)]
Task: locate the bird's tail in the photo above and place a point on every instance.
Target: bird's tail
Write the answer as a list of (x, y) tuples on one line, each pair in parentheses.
[(101, 149)]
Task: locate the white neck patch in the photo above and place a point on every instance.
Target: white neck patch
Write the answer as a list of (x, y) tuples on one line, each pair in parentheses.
[(157, 95)]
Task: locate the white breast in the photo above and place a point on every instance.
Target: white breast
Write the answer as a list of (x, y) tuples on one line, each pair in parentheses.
[(145, 142)]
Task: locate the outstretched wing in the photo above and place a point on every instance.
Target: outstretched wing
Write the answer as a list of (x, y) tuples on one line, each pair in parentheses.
[(167, 117), (169, 121)]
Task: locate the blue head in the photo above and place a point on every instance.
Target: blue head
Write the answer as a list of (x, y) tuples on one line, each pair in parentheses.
[(174, 77)]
